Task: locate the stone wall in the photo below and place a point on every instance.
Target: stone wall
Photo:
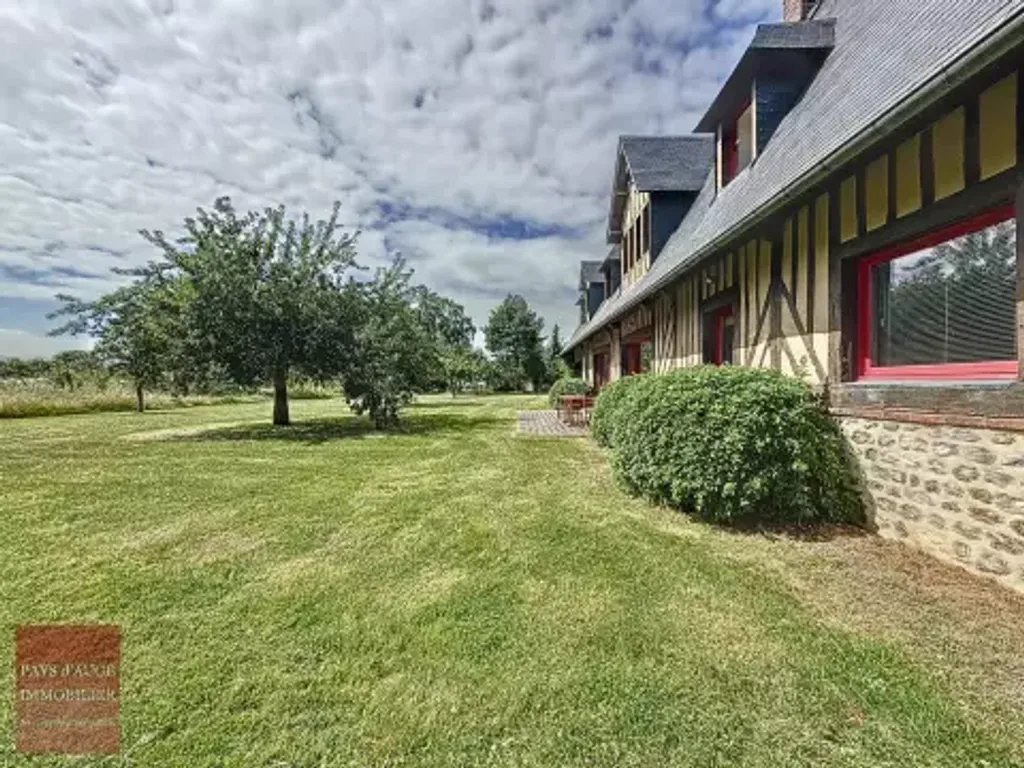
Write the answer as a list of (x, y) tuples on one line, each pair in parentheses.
[(955, 492)]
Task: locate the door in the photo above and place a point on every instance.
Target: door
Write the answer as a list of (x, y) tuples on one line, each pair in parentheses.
[(719, 336)]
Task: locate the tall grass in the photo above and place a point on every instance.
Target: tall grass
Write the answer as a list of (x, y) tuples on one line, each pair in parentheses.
[(24, 398)]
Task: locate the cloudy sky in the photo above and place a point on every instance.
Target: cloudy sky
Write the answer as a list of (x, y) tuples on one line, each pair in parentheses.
[(477, 137)]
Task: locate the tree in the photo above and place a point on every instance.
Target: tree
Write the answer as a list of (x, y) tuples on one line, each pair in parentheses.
[(449, 328), (395, 355), (463, 368), (555, 343), (445, 320), (72, 367), (21, 368), (136, 327), (513, 336), (265, 296), (556, 367)]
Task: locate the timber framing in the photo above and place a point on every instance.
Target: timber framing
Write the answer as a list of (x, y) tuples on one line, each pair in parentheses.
[(789, 271)]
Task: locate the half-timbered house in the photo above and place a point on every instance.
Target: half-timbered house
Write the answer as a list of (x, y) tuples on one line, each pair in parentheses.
[(847, 212)]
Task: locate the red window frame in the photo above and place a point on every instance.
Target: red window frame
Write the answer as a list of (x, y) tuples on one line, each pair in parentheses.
[(866, 369)]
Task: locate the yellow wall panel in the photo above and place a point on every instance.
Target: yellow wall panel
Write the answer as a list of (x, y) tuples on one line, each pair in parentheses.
[(876, 191), (999, 127), (908, 176), (755, 281), (753, 307), (821, 263), (948, 154), (787, 272), (684, 307), (765, 263), (848, 209), (802, 248), (787, 252)]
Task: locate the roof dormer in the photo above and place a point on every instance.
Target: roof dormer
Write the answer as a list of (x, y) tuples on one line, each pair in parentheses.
[(592, 288), (657, 164), (769, 80)]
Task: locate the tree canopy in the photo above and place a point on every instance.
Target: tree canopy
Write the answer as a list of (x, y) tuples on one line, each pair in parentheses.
[(513, 336), (260, 297)]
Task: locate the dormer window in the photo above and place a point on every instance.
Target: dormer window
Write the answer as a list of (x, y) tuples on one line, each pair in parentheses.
[(738, 144), (768, 81)]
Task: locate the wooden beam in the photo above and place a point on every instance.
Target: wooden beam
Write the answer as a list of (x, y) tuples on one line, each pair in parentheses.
[(972, 143), (775, 297), (927, 168)]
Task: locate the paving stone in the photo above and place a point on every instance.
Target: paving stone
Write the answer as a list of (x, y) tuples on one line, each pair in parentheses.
[(547, 424)]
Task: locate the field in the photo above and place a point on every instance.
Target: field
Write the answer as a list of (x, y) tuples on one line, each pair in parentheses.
[(40, 397), (457, 595)]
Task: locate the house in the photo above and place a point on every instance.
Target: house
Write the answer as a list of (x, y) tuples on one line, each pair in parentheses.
[(847, 212)]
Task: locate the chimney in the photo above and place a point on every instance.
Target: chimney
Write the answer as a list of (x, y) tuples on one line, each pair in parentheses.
[(796, 10)]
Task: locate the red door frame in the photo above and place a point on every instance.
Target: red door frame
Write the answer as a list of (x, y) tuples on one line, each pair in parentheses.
[(634, 355), (718, 318), (866, 369), (601, 372)]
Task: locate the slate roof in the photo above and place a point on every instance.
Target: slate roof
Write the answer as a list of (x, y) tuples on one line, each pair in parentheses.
[(590, 272), (772, 43), (813, 34), (669, 163), (658, 164), (887, 59)]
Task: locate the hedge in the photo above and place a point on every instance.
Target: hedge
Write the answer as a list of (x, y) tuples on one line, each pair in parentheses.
[(567, 386), (608, 407), (730, 444)]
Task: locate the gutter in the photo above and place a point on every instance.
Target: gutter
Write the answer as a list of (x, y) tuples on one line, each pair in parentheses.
[(973, 60)]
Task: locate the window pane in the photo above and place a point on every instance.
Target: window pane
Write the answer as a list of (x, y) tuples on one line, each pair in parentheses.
[(744, 139), (953, 303)]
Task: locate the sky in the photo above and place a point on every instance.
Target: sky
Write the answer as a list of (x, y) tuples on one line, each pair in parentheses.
[(475, 137)]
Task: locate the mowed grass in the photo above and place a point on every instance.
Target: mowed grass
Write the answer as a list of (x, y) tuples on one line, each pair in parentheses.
[(457, 595)]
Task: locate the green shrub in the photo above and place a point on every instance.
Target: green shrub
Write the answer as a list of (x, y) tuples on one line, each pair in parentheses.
[(731, 444), (608, 406), (567, 387)]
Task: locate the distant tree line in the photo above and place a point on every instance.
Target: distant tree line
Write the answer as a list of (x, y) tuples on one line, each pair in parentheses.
[(257, 299)]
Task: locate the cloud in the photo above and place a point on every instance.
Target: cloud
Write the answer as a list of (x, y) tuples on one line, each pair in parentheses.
[(17, 343), (477, 136)]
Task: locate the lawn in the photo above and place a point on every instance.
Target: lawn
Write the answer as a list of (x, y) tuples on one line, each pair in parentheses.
[(457, 595)]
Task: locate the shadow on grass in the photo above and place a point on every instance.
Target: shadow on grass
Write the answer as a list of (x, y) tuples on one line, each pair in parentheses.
[(470, 402), (319, 431), (809, 532)]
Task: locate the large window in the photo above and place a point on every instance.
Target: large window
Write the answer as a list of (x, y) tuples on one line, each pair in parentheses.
[(943, 306)]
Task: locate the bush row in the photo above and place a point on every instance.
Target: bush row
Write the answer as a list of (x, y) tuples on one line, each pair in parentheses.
[(729, 444)]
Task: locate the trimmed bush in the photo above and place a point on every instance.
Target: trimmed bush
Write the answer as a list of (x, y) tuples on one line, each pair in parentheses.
[(732, 444), (608, 406), (567, 387)]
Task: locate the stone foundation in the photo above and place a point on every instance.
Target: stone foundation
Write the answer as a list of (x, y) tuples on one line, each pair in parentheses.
[(955, 492)]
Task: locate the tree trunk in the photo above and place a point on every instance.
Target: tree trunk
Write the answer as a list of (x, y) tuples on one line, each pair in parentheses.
[(281, 398), (140, 399)]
